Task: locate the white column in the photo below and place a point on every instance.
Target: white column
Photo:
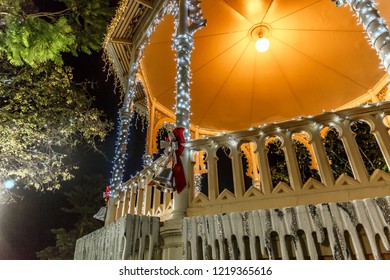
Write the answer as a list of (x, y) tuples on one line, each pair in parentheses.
[(183, 44), (355, 159), (294, 173), (375, 26), (238, 175)]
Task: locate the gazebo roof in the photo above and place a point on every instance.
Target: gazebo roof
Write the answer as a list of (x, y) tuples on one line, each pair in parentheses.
[(319, 59)]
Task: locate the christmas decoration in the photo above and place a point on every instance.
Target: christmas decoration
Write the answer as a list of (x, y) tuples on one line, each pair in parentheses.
[(173, 148)]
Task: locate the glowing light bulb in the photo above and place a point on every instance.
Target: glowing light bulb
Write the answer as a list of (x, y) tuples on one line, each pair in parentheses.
[(9, 184), (262, 44)]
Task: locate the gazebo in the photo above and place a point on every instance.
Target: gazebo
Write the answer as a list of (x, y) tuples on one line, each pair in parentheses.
[(278, 141)]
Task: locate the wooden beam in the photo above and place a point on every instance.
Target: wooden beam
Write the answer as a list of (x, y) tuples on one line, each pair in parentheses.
[(121, 41), (146, 3)]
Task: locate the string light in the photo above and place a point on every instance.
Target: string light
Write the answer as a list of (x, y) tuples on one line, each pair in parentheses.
[(375, 26)]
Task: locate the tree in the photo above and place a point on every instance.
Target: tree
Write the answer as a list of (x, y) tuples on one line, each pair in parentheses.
[(31, 36), (85, 200), (44, 114)]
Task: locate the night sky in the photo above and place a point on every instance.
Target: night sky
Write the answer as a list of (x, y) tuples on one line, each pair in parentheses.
[(25, 226)]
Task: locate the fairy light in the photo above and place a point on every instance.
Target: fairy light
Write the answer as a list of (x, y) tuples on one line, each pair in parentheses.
[(375, 26), (183, 45)]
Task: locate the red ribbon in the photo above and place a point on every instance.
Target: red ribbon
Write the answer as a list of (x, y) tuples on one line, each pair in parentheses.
[(178, 169), (107, 194)]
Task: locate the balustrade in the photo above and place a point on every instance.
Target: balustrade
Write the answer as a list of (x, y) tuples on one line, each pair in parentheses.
[(296, 187), (137, 196), (293, 191)]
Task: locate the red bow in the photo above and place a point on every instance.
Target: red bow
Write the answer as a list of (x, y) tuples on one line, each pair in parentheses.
[(178, 169), (107, 194)]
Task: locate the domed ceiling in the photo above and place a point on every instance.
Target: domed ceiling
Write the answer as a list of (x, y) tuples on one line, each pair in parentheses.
[(319, 59)]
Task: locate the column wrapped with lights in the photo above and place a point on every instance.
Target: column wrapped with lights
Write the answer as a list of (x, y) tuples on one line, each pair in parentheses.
[(183, 45), (190, 19), (125, 114), (375, 26)]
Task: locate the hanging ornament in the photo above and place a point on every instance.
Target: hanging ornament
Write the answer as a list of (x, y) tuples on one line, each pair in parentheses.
[(107, 194), (173, 148)]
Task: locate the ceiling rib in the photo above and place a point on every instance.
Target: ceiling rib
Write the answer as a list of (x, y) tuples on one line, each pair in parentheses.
[(223, 84), (322, 64), (296, 11)]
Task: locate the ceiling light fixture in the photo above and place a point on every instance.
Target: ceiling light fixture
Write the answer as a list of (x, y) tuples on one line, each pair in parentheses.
[(262, 44), (260, 34)]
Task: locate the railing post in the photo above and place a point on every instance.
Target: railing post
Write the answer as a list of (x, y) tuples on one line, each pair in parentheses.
[(238, 176), (321, 157), (265, 173), (133, 196), (111, 210), (190, 173), (353, 153), (212, 170), (147, 198), (125, 204), (381, 133), (294, 173), (140, 196)]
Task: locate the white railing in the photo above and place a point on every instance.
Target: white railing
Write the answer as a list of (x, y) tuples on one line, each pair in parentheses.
[(344, 230), (263, 194), (130, 237), (137, 196)]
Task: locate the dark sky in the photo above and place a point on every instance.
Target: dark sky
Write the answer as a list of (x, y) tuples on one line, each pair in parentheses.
[(25, 226)]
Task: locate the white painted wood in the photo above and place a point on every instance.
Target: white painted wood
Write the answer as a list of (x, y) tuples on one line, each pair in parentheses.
[(334, 218)]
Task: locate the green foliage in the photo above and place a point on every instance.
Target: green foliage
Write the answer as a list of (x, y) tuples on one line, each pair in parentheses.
[(304, 162), (43, 116), (369, 150), (85, 199), (336, 154), (29, 36), (64, 248), (34, 41), (277, 162), (89, 20)]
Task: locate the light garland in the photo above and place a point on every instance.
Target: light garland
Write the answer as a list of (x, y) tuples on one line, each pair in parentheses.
[(126, 113), (183, 45), (374, 25)]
